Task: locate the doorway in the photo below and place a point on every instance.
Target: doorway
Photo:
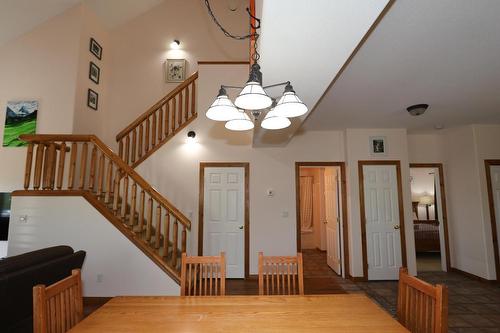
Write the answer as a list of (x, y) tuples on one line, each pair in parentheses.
[(430, 222), (224, 215), (321, 217), (382, 219), (493, 184)]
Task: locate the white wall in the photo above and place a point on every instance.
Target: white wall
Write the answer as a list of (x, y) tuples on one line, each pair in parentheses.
[(357, 148), (174, 168), (425, 148), (73, 221), (40, 65)]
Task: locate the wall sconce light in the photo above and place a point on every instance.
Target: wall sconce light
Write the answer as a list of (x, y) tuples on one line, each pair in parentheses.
[(191, 137), (176, 44)]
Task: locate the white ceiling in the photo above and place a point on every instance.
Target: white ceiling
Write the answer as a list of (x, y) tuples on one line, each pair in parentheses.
[(444, 53), (20, 16), (308, 42)]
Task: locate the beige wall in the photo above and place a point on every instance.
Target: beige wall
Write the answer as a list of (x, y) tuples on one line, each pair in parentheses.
[(140, 47), (174, 169), (357, 148), (40, 65), (87, 120)]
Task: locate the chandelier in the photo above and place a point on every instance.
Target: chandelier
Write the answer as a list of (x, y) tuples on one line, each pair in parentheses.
[(253, 100)]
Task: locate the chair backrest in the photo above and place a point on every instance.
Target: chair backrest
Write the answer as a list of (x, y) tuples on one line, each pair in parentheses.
[(58, 307), (203, 276), (281, 275), (422, 307)]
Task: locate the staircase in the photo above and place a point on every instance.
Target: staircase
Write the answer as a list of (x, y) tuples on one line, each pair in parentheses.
[(69, 165), (159, 124), (82, 165)]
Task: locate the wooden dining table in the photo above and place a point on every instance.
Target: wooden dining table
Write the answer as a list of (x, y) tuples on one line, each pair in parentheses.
[(318, 313)]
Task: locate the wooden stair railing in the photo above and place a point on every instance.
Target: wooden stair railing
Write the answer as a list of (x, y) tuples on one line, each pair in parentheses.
[(84, 165), (159, 123)]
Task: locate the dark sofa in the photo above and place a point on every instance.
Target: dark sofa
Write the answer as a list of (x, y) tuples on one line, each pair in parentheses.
[(18, 275)]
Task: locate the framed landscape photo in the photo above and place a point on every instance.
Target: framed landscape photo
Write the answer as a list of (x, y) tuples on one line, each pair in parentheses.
[(94, 72), (20, 119), (175, 70), (92, 99), (95, 48), (378, 145)]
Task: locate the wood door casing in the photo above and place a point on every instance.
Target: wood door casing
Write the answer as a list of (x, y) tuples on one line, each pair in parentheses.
[(489, 164), (246, 227), (362, 210), (344, 217)]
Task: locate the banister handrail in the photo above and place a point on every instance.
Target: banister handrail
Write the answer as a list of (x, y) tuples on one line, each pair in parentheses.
[(37, 138), (155, 107)]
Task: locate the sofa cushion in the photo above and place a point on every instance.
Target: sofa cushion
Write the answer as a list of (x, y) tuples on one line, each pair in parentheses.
[(15, 263)]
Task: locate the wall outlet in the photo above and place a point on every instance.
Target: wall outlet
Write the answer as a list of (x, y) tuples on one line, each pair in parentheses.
[(270, 192), (23, 218), (100, 277)]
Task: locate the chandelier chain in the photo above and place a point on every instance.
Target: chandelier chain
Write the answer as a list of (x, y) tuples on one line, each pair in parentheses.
[(254, 35)]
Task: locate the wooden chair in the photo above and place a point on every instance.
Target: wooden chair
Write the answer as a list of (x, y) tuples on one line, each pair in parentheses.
[(281, 275), (203, 276), (58, 307), (422, 307)]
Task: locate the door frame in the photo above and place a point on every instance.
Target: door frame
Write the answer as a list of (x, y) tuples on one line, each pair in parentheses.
[(491, 204), (201, 205), (343, 198), (397, 164), (439, 166)]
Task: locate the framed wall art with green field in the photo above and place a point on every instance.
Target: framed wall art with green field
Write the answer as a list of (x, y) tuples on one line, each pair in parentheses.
[(20, 119)]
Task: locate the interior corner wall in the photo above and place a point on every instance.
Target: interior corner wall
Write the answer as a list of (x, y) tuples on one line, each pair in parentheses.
[(40, 65), (174, 168), (87, 120), (113, 265), (357, 149), (140, 47)]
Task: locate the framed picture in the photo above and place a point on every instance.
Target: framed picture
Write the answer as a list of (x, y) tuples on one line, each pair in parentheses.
[(94, 72), (175, 70), (95, 48), (92, 99), (378, 145), (20, 119)]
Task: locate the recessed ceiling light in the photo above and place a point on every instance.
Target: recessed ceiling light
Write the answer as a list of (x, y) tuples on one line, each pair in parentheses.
[(417, 109)]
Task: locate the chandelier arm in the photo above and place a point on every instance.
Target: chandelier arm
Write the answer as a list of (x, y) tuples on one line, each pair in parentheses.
[(277, 84)]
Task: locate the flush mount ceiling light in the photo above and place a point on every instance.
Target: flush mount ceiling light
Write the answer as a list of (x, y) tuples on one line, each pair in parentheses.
[(417, 109), (253, 97)]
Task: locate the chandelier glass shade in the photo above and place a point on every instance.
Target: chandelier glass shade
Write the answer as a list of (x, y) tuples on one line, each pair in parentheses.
[(253, 97), (274, 122), (290, 105), (241, 122), (222, 109)]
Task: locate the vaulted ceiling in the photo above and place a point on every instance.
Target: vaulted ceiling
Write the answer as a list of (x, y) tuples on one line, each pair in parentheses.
[(20, 16), (444, 53)]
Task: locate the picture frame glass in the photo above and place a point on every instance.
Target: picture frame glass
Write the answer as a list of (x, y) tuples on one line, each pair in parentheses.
[(378, 145), (175, 70)]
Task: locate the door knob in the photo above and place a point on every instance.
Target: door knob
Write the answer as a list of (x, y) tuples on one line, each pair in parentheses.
[(241, 227), (396, 226)]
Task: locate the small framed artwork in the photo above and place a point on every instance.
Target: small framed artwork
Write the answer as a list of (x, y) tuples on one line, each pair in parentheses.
[(92, 99), (95, 48), (175, 70), (378, 145), (94, 72)]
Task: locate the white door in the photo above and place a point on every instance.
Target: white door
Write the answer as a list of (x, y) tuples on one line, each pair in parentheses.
[(495, 186), (332, 221), (383, 241), (223, 217)]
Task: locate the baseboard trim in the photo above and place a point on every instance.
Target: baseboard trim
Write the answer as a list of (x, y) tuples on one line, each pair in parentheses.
[(472, 276)]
